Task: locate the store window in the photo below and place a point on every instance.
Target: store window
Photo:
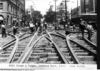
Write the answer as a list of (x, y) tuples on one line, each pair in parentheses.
[(1, 5)]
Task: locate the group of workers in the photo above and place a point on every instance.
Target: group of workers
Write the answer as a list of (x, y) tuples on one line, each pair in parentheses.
[(39, 25), (83, 26), (4, 31), (42, 26)]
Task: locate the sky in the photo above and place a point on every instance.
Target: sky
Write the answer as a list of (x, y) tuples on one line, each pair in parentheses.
[(43, 5)]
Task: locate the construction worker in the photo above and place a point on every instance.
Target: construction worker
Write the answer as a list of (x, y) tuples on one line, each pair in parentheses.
[(14, 30), (3, 28), (14, 27), (89, 29), (82, 26), (31, 26)]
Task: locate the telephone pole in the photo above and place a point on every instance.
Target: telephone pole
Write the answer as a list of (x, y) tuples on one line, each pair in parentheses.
[(16, 9), (55, 10), (55, 15), (65, 11), (77, 8)]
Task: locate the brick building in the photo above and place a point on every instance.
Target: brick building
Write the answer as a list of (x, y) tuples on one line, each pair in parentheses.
[(12, 9)]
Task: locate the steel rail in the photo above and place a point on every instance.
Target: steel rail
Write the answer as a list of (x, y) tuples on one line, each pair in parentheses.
[(58, 35), (94, 53), (16, 46), (24, 53), (61, 35), (9, 42), (70, 49), (28, 49), (91, 43), (13, 42), (13, 51), (57, 48), (87, 49)]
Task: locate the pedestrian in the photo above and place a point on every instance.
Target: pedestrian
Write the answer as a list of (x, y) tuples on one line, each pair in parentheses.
[(36, 26), (45, 25), (14, 30), (40, 27), (89, 29), (67, 32), (82, 26), (64, 23), (31, 26), (3, 28)]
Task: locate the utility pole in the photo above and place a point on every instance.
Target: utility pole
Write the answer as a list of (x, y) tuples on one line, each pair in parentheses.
[(65, 11), (16, 9), (55, 14), (77, 8)]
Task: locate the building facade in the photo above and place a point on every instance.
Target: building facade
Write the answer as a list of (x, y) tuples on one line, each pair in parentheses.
[(88, 6), (86, 10), (11, 10)]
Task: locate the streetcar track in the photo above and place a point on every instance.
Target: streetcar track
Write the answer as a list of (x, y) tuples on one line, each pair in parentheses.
[(65, 49), (59, 49), (91, 43), (91, 50), (28, 47), (43, 53), (83, 54), (13, 41), (87, 42), (9, 49), (25, 55)]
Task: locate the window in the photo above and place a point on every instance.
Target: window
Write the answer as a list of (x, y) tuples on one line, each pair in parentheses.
[(1, 5)]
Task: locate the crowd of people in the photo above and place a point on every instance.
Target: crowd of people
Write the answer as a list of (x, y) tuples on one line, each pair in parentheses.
[(41, 25)]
